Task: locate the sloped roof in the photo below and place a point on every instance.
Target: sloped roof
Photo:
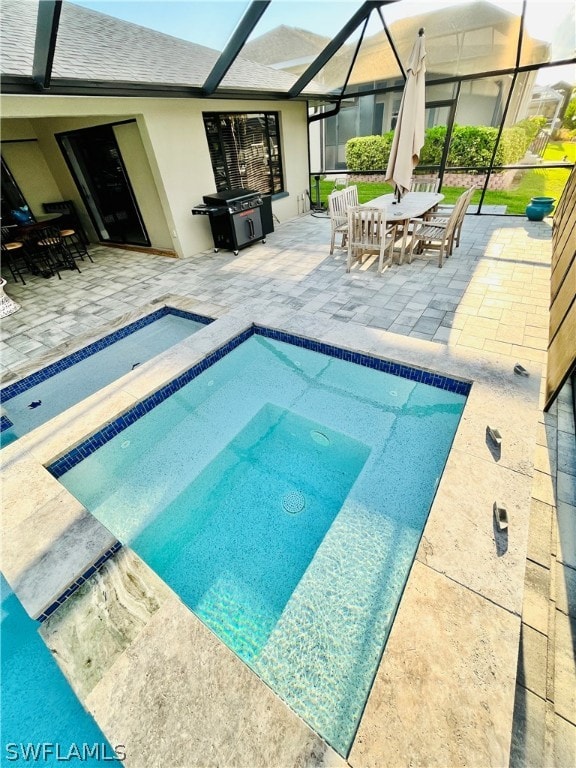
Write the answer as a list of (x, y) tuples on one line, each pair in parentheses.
[(470, 38), (466, 39), (95, 46), (284, 44), (546, 92)]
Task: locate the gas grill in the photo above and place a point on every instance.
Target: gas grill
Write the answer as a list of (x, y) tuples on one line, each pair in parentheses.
[(235, 218)]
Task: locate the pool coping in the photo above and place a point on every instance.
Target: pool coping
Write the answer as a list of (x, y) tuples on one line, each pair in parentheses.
[(26, 382), (458, 566)]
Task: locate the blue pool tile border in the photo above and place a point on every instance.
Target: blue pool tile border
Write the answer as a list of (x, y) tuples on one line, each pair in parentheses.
[(458, 386), (79, 581), (5, 423), (100, 438), (11, 390)]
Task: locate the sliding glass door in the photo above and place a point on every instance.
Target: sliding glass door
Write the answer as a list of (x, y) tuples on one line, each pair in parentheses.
[(95, 161)]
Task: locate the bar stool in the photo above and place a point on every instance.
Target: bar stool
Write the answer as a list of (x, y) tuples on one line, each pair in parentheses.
[(74, 243), (52, 247), (11, 253)]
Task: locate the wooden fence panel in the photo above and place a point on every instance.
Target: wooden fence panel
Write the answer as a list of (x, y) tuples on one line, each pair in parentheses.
[(562, 336)]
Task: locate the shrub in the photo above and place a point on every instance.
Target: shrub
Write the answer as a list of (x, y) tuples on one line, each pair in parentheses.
[(368, 153), (531, 125), (569, 117), (513, 145), (431, 153), (471, 145)]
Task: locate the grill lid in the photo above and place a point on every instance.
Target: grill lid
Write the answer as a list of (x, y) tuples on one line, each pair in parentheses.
[(228, 196)]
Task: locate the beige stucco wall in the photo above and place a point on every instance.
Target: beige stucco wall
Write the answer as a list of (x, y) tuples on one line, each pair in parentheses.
[(143, 184), (171, 142), (25, 159)]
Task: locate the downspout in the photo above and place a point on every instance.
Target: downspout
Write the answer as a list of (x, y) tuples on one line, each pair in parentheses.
[(336, 110)]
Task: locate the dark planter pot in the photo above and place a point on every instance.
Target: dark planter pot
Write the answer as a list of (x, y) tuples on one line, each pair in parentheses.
[(538, 207)]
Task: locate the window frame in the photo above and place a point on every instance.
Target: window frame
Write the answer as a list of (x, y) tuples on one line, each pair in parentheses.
[(219, 149)]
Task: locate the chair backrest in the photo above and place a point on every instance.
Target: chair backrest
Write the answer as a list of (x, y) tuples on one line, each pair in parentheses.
[(425, 184), (8, 233), (462, 204), (458, 211), (337, 207), (469, 194), (340, 180), (48, 235), (70, 218), (351, 196), (62, 206), (366, 228)]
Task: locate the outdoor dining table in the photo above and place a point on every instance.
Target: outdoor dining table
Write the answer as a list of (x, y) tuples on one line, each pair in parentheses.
[(27, 229), (413, 205)]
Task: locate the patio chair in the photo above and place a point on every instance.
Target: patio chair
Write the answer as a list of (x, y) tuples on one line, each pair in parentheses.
[(13, 254), (338, 204), (341, 180), (444, 212), (337, 210), (71, 229), (50, 246), (465, 205), (425, 184), (436, 233), (70, 218), (74, 243), (369, 234)]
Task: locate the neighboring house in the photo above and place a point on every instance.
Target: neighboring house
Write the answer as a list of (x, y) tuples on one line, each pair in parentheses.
[(546, 102), (134, 165), (461, 41), (551, 102), (286, 48)]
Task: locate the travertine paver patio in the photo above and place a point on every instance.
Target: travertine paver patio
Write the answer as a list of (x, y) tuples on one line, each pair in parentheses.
[(491, 296)]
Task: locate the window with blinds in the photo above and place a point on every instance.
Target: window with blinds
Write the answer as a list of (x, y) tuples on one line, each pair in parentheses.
[(245, 150)]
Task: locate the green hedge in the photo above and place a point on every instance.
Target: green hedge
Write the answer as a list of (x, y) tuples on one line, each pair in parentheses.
[(368, 153), (471, 145)]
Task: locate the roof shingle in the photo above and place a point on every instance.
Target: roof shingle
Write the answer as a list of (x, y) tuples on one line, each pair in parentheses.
[(95, 46)]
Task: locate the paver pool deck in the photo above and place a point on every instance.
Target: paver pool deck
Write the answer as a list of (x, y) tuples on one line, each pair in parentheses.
[(157, 680)]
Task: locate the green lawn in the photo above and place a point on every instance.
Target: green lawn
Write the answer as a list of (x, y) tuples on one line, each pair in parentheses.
[(533, 183)]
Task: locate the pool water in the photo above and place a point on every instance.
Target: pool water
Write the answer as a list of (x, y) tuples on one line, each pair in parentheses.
[(68, 385), (283, 493), (42, 720), (273, 487)]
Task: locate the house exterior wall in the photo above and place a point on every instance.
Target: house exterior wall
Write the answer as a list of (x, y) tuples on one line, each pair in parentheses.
[(25, 159), (166, 155), (143, 183)]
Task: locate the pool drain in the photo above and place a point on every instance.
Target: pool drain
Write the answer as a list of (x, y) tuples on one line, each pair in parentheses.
[(294, 502), (319, 437)]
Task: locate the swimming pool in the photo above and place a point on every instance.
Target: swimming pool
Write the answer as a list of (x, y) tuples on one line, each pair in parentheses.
[(283, 493), (35, 399), (42, 720)]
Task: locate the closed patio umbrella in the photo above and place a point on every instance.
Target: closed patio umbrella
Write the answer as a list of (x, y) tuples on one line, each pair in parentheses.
[(409, 131)]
